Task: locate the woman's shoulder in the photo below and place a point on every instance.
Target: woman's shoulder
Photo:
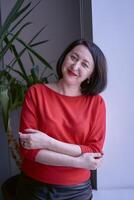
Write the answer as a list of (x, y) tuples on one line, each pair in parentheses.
[(34, 87), (40, 88), (98, 99), (41, 85)]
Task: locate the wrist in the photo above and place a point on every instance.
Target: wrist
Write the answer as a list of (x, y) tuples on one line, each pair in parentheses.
[(53, 144), (82, 162), (49, 143), (46, 142), (78, 162)]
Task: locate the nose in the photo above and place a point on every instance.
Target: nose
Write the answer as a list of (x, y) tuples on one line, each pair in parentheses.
[(76, 66)]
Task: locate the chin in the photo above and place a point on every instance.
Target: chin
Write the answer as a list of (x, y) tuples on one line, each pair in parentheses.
[(71, 81)]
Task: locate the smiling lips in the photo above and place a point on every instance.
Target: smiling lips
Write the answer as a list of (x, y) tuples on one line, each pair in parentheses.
[(71, 73)]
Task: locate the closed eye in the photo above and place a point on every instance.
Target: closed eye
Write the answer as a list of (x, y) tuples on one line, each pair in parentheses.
[(74, 58), (84, 65)]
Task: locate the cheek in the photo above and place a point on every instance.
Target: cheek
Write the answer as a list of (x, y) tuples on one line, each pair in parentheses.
[(87, 73), (91, 70), (65, 64)]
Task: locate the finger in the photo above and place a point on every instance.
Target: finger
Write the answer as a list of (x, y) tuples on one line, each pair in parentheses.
[(97, 155), (23, 135), (31, 130), (94, 154), (25, 145)]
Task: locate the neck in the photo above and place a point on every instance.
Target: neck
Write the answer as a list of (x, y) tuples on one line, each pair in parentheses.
[(68, 89)]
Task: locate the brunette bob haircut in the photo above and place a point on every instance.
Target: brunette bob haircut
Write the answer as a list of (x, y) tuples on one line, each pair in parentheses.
[(98, 79)]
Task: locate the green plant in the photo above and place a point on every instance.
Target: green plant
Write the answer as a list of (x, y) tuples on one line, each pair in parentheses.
[(12, 89)]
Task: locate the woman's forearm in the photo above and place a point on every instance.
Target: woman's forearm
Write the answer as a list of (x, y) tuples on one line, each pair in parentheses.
[(57, 159), (35, 139), (64, 148), (85, 161)]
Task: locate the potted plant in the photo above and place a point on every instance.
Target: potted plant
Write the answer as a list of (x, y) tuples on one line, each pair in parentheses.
[(12, 89)]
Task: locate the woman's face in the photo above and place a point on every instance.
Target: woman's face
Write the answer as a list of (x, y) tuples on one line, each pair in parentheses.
[(78, 65)]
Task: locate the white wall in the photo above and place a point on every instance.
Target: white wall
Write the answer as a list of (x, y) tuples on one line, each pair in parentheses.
[(113, 31)]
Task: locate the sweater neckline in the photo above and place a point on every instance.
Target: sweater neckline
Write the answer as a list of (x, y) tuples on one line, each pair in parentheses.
[(62, 95)]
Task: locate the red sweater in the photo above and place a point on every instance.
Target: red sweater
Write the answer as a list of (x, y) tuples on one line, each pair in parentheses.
[(77, 120)]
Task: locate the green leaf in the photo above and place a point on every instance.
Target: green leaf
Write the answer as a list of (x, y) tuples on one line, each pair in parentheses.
[(22, 11), (5, 78), (19, 13), (6, 40), (35, 74), (36, 35), (5, 49), (10, 19), (22, 68), (44, 80), (13, 61), (16, 94), (31, 58), (4, 102), (16, 71), (38, 43), (35, 54)]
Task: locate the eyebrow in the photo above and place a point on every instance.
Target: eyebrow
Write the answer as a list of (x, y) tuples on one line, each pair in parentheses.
[(86, 61), (83, 59), (75, 54)]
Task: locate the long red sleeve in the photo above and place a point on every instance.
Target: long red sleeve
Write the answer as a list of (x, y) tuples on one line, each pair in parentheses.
[(97, 133), (29, 120)]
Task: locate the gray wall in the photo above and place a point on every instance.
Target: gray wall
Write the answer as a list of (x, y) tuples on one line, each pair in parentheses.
[(66, 20)]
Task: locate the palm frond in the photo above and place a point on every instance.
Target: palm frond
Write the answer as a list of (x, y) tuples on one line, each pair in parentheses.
[(22, 11), (16, 71), (10, 19), (18, 59), (38, 43), (4, 102), (40, 58), (31, 59), (13, 61), (6, 47)]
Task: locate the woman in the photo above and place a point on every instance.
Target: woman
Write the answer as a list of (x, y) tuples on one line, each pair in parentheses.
[(62, 128)]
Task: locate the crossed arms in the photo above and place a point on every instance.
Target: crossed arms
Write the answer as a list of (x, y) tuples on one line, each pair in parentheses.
[(57, 153)]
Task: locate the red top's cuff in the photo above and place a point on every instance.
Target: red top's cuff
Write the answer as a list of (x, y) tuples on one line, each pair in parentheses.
[(87, 149)]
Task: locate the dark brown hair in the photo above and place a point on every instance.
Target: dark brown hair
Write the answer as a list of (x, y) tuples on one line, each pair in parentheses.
[(98, 79)]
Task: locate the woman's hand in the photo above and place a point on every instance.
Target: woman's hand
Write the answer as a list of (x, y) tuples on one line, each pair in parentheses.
[(91, 161), (34, 139)]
